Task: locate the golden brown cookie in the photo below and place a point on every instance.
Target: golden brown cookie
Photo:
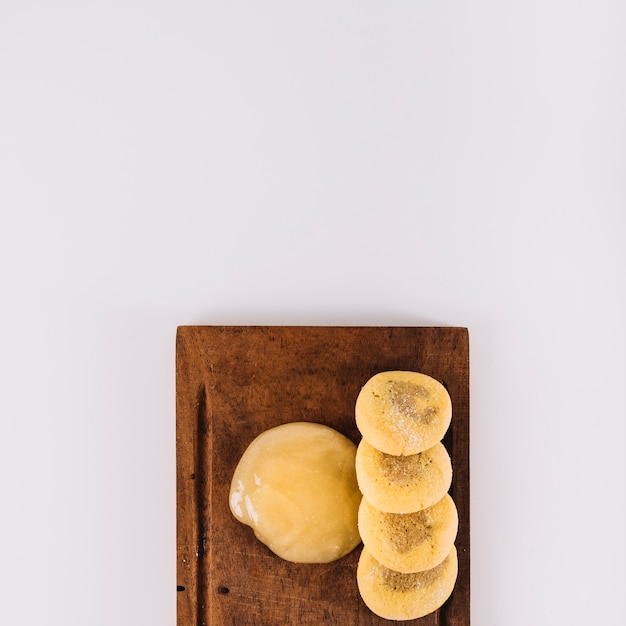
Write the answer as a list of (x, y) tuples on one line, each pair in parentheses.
[(403, 413), (403, 484), (396, 596), (409, 542)]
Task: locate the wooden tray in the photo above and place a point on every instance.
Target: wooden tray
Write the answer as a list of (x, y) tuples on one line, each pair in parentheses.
[(232, 383)]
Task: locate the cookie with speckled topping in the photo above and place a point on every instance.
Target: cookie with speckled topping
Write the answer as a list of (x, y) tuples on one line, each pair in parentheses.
[(396, 596), (403, 484), (403, 413), (409, 542)]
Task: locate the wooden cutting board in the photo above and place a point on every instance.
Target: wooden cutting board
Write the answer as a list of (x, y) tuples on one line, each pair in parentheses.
[(232, 383)]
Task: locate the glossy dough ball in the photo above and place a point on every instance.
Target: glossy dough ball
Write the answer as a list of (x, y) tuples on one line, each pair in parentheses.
[(296, 487)]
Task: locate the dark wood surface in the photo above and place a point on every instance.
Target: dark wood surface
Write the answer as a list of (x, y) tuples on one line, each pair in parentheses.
[(232, 383)]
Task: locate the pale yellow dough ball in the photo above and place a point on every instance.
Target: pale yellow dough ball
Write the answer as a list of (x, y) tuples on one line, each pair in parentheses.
[(296, 487)]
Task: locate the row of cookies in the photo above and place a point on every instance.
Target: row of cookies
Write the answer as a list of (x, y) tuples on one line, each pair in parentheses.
[(407, 520)]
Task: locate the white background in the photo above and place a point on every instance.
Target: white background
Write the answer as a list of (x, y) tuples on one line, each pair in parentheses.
[(447, 163)]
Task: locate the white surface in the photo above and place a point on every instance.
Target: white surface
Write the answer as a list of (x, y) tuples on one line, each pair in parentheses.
[(309, 162)]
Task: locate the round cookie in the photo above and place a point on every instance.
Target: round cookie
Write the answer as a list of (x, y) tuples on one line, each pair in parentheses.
[(410, 542), (403, 484), (396, 596), (403, 413)]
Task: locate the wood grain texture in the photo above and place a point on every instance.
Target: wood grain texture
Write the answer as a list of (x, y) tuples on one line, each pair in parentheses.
[(232, 383)]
